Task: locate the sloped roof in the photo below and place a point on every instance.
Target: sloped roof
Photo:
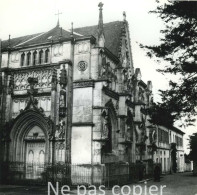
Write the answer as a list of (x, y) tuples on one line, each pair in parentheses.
[(112, 33), (177, 130), (18, 40)]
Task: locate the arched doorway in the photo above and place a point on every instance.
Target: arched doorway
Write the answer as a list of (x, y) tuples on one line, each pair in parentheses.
[(35, 152), (29, 148)]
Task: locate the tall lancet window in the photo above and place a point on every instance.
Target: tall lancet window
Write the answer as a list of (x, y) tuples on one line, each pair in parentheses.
[(28, 58), (41, 157), (30, 156), (34, 58), (22, 59), (46, 60), (40, 57)]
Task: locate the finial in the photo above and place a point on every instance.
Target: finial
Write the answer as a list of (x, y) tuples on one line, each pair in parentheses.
[(101, 37), (124, 15), (58, 23), (100, 5), (71, 32), (61, 31), (9, 41)]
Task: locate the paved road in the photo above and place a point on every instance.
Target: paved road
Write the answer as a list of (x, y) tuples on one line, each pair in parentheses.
[(177, 184)]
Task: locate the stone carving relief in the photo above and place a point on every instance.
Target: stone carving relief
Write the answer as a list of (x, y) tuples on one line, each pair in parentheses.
[(43, 103), (11, 84), (107, 72), (15, 57), (83, 48), (62, 99), (105, 124), (82, 66), (153, 135), (127, 78), (58, 50), (44, 79), (60, 130), (141, 95)]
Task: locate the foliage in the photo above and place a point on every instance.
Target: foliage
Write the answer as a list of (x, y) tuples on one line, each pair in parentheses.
[(193, 147), (160, 115), (178, 48)]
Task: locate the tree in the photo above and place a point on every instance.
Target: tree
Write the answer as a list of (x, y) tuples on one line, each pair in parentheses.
[(178, 48)]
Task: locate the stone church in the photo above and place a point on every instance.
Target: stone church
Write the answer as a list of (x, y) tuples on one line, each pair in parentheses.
[(74, 96)]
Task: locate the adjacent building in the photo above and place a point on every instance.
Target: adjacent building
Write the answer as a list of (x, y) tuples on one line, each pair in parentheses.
[(170, 152)]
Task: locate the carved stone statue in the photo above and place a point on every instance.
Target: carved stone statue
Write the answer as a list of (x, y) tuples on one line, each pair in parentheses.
[(105, 127)]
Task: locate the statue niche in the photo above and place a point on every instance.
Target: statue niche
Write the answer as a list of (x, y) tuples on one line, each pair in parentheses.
[(106, 132), (62, 100), (60, 130)]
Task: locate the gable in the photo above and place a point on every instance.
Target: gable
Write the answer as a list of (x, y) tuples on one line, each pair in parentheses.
[(112, 31)]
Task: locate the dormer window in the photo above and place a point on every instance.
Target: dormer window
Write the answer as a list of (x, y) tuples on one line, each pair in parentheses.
[(46, 56), (28, 58), (40, 57), (34, 58), (22, 59)]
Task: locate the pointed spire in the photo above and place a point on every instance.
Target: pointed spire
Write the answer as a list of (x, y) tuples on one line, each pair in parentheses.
[(101, 37), (71, 32)]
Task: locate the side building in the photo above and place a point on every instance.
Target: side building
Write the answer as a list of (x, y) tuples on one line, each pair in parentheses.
[(170, 152)]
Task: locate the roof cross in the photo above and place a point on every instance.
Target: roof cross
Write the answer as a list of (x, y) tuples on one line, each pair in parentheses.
[(58, 13)]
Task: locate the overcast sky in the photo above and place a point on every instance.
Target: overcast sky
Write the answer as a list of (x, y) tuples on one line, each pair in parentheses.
[(24, 17)]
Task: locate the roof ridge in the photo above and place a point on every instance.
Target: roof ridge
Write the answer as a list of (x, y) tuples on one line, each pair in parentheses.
[(40, 34), (35, 34), (97, 24)]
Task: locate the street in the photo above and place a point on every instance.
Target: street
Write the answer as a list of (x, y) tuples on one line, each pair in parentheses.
[(176, 184)]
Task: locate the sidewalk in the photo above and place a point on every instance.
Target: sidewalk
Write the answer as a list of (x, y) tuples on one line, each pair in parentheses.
[(176, 184)]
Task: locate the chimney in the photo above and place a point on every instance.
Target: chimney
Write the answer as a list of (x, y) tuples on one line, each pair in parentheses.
[(100, 30)]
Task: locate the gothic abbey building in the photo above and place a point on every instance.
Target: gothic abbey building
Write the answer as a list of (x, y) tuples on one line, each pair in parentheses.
[(73, 96)]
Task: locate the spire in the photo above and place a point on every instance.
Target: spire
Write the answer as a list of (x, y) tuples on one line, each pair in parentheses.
[(58, 13), (101, 37), (71, 32), (9, 41)]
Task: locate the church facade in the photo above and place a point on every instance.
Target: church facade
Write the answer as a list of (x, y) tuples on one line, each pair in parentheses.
[(73, 96)]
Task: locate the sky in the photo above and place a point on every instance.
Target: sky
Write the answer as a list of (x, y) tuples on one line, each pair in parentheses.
[(25, 17)]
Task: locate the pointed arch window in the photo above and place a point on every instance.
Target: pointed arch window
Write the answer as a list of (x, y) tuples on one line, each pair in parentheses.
[(46, 60), (34, 58), (40, 56), (22, 59), (30, 156), (107, 148), (28, 58), (41, 157)]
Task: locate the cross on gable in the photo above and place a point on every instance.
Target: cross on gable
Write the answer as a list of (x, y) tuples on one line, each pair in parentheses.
[(58, 13)]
